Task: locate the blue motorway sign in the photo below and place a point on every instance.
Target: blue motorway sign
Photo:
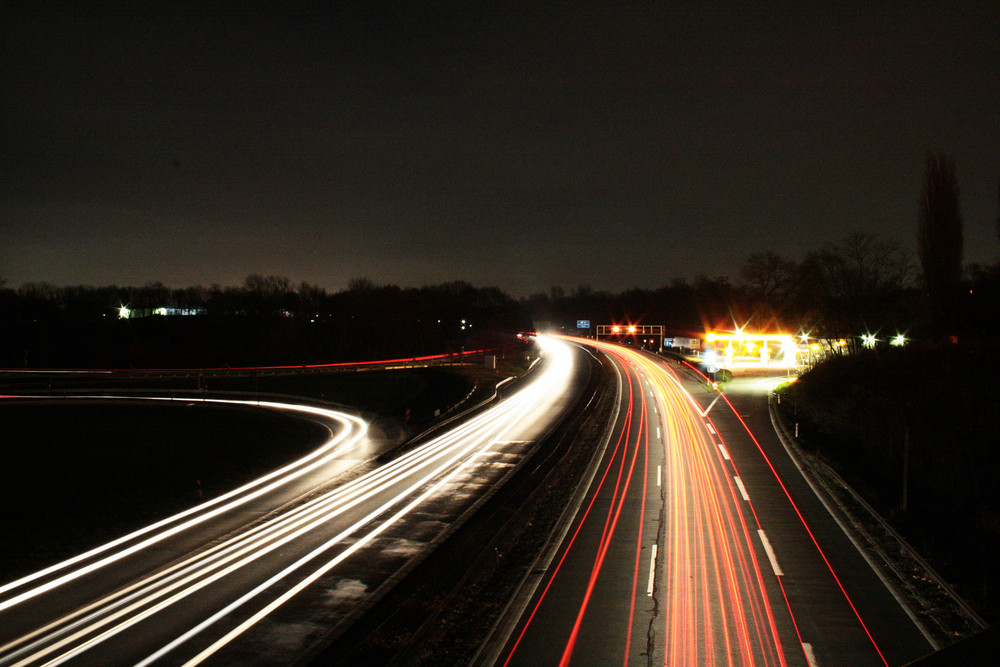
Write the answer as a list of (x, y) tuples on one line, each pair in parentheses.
[(583, 324)]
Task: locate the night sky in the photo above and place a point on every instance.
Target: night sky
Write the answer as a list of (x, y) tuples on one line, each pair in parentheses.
[(521, 146)]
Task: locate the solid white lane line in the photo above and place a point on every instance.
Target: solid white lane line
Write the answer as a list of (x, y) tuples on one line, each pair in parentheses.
[(807, 648), (652, 572), (710, 406), (743, 491), (725, 454), (770, 553)]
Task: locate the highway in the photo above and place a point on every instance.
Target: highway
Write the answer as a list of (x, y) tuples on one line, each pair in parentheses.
[(276, 567), (685, 546)]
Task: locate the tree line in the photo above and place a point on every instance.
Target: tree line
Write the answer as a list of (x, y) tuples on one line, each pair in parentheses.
[(862, 283)]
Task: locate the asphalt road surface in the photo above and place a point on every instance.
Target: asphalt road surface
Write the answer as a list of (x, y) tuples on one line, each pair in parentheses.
[(695, 541), (264, 573)]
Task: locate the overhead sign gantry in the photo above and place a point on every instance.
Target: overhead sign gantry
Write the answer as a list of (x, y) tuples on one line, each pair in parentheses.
[(646, 335)]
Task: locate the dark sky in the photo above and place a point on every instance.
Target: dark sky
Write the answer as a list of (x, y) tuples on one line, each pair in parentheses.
[(522, 146)]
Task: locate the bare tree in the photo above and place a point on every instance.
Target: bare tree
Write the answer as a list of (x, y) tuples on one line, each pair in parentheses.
[(939, 237), (361, 284), (767, 273), (854, 285), (266, 295), (768, 278)]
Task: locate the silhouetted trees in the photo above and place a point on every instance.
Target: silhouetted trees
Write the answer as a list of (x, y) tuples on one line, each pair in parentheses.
[(263, 321), (769, 280), (855, 286), (939, 239)]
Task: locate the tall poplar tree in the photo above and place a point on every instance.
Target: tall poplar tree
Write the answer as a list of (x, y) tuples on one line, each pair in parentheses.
[(939, 237)]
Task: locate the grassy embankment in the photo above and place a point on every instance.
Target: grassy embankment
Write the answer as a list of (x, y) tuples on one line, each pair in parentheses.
[(936, 409)]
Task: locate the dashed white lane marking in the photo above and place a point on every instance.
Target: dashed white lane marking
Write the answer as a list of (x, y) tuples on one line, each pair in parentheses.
[(807, 648), (770, 553), (657, 432), (743, 491), (725, 454), (652, 572), (711, 429), (659, 475)]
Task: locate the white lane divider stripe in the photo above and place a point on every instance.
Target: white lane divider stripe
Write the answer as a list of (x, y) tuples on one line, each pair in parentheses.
[(770, 553), (710, 406), (659, 475), (743, 491), (807, 648), (652, 572), (725, 454), (711, 429)]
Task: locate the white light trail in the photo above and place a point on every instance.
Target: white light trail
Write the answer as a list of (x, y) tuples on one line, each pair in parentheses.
[(382, 496)]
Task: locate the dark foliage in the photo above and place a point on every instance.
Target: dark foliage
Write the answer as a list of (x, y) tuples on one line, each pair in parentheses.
[(263, 322), (939, 237), (860, 410)]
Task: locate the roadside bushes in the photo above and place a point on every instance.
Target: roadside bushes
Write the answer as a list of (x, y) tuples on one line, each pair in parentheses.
[(861, 413)]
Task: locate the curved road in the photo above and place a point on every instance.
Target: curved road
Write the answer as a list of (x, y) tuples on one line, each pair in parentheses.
[(264, 572)]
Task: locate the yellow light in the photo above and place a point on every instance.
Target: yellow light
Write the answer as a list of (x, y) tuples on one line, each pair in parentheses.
[(616, 328), (631, 328), (710, 336)]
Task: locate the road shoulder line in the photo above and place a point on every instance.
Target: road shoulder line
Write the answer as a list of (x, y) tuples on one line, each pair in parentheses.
[(825, 498)]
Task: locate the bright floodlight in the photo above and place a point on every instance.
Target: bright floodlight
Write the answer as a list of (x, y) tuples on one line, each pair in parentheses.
[(898, 341), (631, 328), (868, 340), (124, 313)]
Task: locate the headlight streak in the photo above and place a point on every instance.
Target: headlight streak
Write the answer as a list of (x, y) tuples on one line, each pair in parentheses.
[(334, 447), (436, 463)]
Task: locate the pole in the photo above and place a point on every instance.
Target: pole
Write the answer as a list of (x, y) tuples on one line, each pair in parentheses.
[(906, 463)]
